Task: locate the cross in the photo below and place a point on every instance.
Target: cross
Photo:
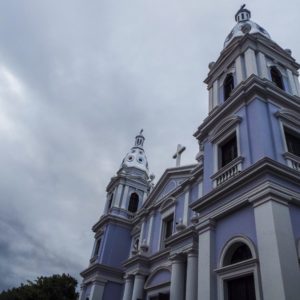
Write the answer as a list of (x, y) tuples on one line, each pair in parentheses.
[(178, 153)]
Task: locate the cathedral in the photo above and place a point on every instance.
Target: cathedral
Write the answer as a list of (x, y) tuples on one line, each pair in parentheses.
[(228, 226)]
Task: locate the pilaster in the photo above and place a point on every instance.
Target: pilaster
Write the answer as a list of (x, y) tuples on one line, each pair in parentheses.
[(125, 197), (138, 287), (97, 290), (239, 70), (191, 276), (262, 65), (206, 244), (250, 61), (277, 251), (177, 278), (128, 288)]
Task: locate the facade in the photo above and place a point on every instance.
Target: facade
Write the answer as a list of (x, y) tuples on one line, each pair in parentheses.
[(227, 227)]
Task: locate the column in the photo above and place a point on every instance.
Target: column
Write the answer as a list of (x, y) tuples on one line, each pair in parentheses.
[(127, 294), (177, 278), (97, 290), (125, 196), (250, 61), (239, 70), (210, 99), (206, 281), (279, 266), (191, 276), (264, 73), (138, 287), (142, 232)]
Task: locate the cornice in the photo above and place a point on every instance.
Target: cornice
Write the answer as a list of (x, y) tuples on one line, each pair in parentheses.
[(111, 219), (259, 169), (243, 94)]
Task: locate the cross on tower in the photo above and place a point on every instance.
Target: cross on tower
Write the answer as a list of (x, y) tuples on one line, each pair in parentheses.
[(178, 153)]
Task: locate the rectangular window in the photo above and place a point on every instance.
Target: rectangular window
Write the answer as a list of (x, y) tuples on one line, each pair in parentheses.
[(228, 150), (292, 141), (167, 229), (97, 247)]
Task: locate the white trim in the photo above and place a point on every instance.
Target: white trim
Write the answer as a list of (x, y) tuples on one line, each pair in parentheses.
[(247, 267), (150, 228), (186, 208)]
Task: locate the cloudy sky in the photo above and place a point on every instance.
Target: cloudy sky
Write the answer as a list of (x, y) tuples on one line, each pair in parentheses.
[(78, 80)]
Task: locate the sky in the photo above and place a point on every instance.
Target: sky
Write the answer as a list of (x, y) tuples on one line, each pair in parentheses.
[(78, 80)]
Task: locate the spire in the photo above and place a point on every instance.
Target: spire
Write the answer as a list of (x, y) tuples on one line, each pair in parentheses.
[(243, 14), (136, 157)]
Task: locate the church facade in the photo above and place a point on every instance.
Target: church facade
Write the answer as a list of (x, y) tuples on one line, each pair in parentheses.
[(228, 226)]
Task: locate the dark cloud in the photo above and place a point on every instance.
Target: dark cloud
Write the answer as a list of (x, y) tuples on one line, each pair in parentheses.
[(78, 80)]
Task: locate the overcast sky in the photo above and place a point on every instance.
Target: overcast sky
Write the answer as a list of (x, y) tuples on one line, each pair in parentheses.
[(78, 80)]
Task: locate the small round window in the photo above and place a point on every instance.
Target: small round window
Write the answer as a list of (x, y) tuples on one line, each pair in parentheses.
[(130, 158), (140, 160)]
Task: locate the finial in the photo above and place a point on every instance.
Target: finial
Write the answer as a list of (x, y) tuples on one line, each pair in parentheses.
[(141, 132)]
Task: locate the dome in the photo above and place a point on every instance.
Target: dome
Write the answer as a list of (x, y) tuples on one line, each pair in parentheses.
[(136, 157), (244, 25)]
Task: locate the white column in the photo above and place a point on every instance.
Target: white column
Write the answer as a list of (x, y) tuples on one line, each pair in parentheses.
[(279, 266), (150, 228), (97, 290), (292, 82), (215, 93), (118, 196), (200, 190), (191, 276), (138, 287), (177, 278), (250, 61), (125, 197), (186, 208), (127, 295), (239, 70), (264, 73), (206, 282), (144, 197)]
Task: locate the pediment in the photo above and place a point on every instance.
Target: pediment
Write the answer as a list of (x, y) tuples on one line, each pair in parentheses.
[(168, 183)]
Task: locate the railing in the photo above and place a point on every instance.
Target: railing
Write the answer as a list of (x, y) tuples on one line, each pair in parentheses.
[(292, 161), (227, 172)]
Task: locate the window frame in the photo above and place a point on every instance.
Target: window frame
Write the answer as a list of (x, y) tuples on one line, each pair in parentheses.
[(236, 270), (165, 215)]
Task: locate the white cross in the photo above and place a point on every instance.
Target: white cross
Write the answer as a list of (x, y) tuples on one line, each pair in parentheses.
[(178, 153)]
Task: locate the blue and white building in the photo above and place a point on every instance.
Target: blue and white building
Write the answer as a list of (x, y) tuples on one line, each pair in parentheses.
[(228, 226)]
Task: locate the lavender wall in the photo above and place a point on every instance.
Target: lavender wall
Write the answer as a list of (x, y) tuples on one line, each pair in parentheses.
[(155, 233), (238, 223), (194, 192), (160, 277), (113, 291), (208, 168), (117, 245)]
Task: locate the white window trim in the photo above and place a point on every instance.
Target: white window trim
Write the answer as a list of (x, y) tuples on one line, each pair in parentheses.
[(288, 119), (247, 267), (165, 215)]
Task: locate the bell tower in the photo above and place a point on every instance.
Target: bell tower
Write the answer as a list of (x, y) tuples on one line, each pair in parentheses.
[(250, 146), (126, 193)]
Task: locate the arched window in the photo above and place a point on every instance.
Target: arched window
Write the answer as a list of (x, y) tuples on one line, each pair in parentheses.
[(228, 86), (276, 77), (238, 252), (133, 202), (238, 281)]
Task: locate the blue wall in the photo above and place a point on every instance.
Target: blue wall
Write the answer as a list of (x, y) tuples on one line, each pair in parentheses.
[(238, 223), (113, 291)]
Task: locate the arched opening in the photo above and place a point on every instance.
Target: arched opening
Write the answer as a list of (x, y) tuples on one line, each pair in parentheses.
[(228, 86), (240, 287), (276, 77), (133, 203)]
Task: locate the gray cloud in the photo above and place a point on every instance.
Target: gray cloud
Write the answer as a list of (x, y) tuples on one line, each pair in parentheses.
[(78, 80)]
